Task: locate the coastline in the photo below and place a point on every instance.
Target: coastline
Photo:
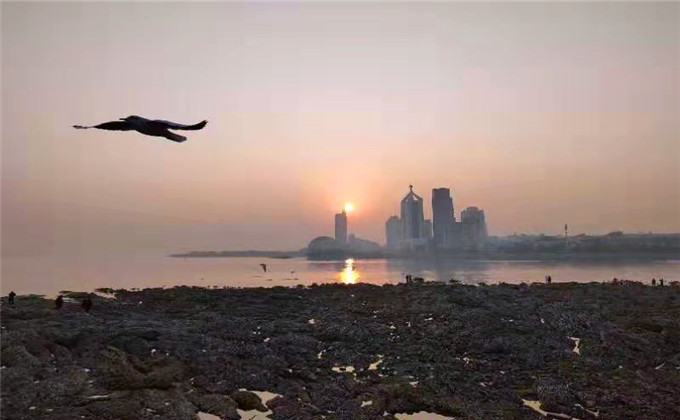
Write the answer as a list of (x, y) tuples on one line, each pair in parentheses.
[(455, 350), (460, 256)]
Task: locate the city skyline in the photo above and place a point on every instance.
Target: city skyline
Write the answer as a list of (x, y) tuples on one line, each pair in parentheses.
[(540, 114)]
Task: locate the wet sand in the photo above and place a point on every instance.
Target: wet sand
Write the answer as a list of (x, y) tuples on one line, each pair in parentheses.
[(347, 352)]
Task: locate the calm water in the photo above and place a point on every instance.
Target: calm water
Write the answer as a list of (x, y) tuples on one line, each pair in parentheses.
[(49, 275)]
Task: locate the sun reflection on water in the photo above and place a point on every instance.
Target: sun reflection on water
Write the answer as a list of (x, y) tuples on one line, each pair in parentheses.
[(349, 275)]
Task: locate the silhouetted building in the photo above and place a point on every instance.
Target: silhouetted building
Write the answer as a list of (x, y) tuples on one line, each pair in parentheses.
[(426, 229), (341, 228), (393, 232), (413, 226), (325, 247), (363, 245), (474, 231), (412, 215), (443, 218)]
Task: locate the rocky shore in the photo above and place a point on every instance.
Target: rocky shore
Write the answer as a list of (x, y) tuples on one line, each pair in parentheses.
[(585, 351)]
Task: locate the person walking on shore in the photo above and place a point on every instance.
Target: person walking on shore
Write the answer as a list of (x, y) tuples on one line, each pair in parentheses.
[(58, 302), (10, 297)]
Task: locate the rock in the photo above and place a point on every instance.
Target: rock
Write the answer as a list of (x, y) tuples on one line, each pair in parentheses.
[(215, 404), (248, 401)]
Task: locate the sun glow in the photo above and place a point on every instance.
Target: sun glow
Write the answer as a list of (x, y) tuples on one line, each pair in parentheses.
[(349, 207), (349, 275)]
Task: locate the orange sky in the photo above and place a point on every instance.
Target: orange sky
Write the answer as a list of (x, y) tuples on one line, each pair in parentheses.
[(541, 114)]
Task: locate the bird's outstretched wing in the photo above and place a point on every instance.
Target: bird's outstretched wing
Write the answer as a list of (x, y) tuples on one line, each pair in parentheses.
[(174, 137), (111, 125), (175, 126)]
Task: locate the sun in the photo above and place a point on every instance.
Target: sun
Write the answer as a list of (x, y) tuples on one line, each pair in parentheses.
[(349, 207)]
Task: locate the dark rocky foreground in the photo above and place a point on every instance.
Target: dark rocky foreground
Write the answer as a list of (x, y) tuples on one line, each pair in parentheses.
[(460, 351)]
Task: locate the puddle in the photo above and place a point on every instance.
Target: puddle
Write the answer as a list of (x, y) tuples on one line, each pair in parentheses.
[(594, 413), (320, 355), (413, 384), (105, 295), (421, 415), (577, 341), (374, 366), (206, 416), (365, 403), (265, 396), (343, 369), (311, 321), (536, 406)]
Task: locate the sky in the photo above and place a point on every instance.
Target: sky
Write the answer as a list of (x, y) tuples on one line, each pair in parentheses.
[(539, 113)]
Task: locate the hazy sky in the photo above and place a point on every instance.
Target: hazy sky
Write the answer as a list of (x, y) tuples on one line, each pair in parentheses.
[(540, 113)]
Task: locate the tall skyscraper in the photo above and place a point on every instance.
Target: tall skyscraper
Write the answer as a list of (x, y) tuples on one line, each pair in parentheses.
[(412, 216), (474, 228), (443, 217), (393, 232), (341, 228)]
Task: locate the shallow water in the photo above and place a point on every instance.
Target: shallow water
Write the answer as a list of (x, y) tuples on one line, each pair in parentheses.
[(421, 415), (52, 273)]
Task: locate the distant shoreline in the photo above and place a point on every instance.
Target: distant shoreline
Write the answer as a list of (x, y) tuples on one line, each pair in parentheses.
[(234, 254), (646, 255)]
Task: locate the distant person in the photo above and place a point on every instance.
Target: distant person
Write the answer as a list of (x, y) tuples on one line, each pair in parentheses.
[(408, 278), (10, 297), (87, 304), (653, 282), (264, 267), (660, 282), (548, 279), (59, 302)]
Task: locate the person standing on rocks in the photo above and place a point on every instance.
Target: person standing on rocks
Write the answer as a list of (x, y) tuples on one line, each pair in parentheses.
[(10, 297), (660, 282), (653, 282), (58, 302), (87, 305)]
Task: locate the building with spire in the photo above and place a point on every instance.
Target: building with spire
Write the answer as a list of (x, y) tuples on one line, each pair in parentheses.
[(412, 218), (411, 230)]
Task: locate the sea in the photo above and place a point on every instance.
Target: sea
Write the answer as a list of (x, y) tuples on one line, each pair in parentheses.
[(49, 275)]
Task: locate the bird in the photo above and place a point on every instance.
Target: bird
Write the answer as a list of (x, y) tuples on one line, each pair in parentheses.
[(264, 267), (157, 128)]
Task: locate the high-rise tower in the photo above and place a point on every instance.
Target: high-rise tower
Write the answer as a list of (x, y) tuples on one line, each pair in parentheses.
[(341, 228), (412, 216), (474, 227), (443, 217)]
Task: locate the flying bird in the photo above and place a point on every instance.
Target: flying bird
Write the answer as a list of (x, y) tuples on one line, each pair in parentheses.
[(264, 267), (157, 128)]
